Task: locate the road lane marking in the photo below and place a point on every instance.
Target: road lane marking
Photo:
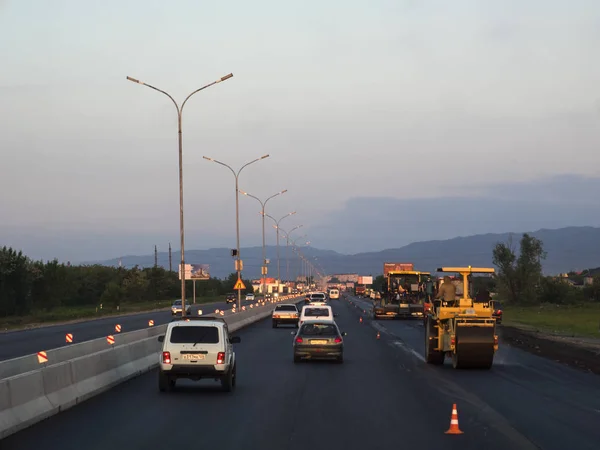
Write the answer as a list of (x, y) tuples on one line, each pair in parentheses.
[(409, 350)]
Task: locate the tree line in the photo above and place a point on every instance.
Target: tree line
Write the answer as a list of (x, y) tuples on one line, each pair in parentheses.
[(27, 286)]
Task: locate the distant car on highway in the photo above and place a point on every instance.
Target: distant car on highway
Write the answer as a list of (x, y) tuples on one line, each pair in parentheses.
[(176, 308), (250, 297), (197, 348), (311, 312), (285, 314), (317, 339), (334, 294), (318, 298), (231, 298)]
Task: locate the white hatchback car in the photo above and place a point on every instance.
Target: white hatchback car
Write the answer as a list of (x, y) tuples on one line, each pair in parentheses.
[(317, 298), (250, 297), (312, 312)]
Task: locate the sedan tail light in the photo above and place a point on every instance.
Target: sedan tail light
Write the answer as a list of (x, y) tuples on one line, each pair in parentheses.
[(499, 312), (299, 340), (220, 358), (338, 340), (166, 357)]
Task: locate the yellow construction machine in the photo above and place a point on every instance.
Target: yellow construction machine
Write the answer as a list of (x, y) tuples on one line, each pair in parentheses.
[(462, 329)]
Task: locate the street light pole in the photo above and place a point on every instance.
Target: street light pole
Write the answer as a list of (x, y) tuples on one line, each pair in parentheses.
[(264, 250), (287, 245), (238, 267), (181, 228), (295, 249), (277, 228)]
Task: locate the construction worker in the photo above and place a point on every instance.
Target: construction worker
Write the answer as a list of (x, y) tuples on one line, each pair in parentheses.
[(447, 291), (429, 289)]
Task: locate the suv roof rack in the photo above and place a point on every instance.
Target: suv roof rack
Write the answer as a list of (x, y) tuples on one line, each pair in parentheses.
[(200, 318)]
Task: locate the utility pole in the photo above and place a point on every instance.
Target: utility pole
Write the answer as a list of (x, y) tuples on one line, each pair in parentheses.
[(155, 257), (170, 259)]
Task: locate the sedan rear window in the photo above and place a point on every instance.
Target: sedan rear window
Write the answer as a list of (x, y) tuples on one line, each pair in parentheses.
[(285, 308), (312, 329), (314, 312), (192, 335)]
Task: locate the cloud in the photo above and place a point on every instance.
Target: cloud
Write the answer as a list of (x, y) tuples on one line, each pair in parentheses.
[(376, 223)]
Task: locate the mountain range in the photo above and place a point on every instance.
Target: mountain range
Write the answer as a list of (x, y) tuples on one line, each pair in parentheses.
[(571, 248)]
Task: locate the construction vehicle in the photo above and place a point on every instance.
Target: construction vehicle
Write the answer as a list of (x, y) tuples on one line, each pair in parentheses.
[(403, 292), (462, 329)]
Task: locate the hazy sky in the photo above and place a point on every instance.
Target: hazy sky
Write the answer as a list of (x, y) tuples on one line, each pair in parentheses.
[(351, 99)]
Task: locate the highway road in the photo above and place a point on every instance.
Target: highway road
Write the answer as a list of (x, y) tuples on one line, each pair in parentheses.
[(26, 342), (554, 405), (383, 396)]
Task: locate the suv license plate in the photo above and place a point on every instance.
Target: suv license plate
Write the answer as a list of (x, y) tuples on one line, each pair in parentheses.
[(193, 357)]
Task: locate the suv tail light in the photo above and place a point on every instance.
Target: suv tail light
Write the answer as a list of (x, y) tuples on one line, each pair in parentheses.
[(221, 358), (166, 357), (299, 340), (338, 340)]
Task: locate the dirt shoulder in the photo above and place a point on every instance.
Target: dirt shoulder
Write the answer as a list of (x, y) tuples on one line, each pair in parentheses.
[(581, 353)]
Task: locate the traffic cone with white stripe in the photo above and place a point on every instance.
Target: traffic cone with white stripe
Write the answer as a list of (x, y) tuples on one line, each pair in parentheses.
[(454, 422)]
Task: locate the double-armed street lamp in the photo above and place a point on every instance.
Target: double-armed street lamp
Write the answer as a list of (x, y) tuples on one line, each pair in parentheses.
[(238, 262), (179, 114), (287, 246), (264, 251), (276, 226), (301, 257)]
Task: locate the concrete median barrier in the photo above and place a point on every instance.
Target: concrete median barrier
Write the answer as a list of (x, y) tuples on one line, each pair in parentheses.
[(23, 364), (29, 397)]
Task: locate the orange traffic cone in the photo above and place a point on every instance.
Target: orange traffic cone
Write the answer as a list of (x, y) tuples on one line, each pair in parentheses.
[(360, 320), (454, 422), (378, 335)]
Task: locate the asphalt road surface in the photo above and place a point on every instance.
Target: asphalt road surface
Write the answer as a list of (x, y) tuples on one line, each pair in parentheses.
[(382, 397), (555, 406), (26, 342)]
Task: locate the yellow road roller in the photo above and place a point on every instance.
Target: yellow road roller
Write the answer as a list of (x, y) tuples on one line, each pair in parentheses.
[(463, 329)]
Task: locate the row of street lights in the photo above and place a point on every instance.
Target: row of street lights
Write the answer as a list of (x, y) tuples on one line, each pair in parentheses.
[(238, 262)]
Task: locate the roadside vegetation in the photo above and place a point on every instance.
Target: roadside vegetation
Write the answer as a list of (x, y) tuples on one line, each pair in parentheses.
[(567, 304), (39, 292)]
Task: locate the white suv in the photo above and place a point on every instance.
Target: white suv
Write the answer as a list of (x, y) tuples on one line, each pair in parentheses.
[(196, 348)]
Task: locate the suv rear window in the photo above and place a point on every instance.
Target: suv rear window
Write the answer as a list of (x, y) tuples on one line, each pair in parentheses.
[(314, 312), (192, 335), (320, 329), (285, 308)]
